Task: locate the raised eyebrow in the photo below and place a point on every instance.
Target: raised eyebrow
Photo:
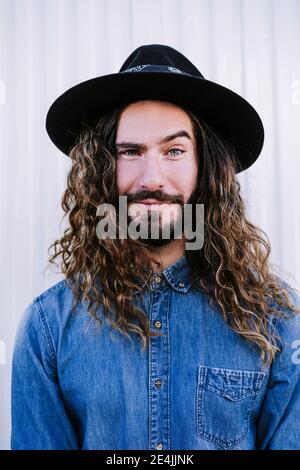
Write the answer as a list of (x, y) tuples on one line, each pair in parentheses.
[(168, 138)]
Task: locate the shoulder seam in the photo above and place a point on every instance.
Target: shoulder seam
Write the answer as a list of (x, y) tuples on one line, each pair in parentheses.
[(46, 330)]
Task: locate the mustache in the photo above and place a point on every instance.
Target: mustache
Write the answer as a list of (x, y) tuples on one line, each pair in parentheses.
[(158, 195)]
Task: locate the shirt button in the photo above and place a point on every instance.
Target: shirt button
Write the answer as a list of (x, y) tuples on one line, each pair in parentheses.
[(157, 279), (158, 383), (181, 284), (159, 446), (157, 324)]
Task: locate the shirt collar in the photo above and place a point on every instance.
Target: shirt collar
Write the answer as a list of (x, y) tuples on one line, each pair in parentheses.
[(178, 275)]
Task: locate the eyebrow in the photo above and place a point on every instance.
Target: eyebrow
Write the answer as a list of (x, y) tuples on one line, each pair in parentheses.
[(168, 138)]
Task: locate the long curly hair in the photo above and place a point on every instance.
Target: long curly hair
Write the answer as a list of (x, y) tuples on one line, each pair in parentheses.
[(232, 268)]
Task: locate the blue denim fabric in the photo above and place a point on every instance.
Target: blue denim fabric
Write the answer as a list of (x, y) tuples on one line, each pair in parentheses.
[(199, 386)]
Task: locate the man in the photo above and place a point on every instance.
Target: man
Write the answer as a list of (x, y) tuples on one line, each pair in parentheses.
[(219, 365)]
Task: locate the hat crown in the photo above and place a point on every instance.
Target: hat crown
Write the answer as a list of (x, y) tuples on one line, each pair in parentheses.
[(159, 57)]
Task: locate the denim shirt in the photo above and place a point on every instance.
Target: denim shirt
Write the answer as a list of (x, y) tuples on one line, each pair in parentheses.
[(199, 386)]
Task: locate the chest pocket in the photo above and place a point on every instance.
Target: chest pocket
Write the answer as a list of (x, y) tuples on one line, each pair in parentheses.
[(225, 399)]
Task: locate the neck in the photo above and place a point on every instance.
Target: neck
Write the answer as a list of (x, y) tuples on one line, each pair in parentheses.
[(168, 254)]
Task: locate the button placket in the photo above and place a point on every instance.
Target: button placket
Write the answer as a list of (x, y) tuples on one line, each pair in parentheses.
[(159, 372)]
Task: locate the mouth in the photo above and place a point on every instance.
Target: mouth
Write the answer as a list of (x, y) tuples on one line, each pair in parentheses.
[(151, 204), (149, 201)]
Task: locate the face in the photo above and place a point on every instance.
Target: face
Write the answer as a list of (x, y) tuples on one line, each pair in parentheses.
[(157, 164)]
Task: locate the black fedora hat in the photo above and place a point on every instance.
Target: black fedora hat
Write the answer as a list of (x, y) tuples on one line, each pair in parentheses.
[(158, 72)]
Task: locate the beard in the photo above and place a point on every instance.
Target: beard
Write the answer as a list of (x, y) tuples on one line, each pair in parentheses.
[(158, 227)]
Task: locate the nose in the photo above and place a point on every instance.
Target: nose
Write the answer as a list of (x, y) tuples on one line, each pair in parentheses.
[(152, 175)]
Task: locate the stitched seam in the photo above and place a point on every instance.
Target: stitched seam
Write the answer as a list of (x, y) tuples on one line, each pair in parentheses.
[(46, 332), (200, 427)]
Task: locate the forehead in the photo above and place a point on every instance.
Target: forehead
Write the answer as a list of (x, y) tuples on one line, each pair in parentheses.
[(152, 116)]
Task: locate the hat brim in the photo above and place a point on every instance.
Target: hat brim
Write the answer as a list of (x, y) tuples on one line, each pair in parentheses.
[(229, 114)]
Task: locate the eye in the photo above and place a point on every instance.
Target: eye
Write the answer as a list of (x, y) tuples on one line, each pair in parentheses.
[(124, 152), (175, 155), (135, 152)]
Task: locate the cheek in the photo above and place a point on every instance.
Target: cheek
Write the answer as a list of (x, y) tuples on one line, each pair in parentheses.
[(125, 176), (192, 174), (185, 176)]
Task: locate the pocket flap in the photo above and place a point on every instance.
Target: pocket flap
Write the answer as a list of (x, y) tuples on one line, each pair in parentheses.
[(230, 383)]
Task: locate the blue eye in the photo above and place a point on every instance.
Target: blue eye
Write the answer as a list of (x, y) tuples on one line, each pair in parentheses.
[(176, 149), (125, 152)]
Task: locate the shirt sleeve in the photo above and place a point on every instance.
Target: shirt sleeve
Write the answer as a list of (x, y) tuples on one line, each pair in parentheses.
[(39, 417), (279, 423)]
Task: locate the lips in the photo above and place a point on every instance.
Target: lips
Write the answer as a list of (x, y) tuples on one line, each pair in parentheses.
[(150, 201), (151, 204)]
